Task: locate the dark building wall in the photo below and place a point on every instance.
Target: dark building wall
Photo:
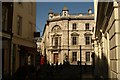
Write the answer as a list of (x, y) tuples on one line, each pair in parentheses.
[(7, 14), (0, 40)]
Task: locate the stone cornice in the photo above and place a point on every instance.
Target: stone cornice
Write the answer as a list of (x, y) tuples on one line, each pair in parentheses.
[(89, 17)]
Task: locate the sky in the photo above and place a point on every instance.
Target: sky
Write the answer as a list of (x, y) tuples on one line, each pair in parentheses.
[(44, 7)]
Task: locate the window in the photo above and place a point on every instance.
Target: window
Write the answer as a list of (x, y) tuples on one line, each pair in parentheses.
[(87, 56), (87, 39), (51, 16), (74, 40), (74, 56), (56, 41), (64, 13), (19, 25), (4, 18), (74, 26), (93, 29), (87, 26)]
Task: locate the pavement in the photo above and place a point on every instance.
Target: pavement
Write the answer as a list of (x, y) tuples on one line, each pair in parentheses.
[(68, 72)]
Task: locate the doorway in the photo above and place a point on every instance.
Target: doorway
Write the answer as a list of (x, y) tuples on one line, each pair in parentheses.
[(55, 58)]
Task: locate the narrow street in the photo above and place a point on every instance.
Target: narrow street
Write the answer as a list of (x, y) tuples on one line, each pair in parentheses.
[(60, 40)]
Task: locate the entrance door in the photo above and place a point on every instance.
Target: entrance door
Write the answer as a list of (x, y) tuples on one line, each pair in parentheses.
[(55, 58)]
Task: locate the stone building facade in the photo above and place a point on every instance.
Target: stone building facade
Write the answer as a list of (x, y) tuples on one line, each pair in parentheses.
[(6, 36), (64, 33), (107, 46), (23, 47)]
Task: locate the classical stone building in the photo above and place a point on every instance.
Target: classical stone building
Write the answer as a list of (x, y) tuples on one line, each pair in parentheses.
[(64, 33), (107, 46)]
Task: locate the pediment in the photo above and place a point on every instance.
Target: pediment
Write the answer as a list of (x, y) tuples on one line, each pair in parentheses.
[(74, 34)]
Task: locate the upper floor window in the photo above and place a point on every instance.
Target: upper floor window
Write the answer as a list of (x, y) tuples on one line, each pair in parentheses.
[(74, 26), (74, 40), (19, 25), (87, 56), (87, 40), (74, 56), (87, 26), (56, 42), (4, 18)]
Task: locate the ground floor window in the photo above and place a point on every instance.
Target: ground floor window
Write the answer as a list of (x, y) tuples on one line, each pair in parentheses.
[(87, 56), (74, 56)]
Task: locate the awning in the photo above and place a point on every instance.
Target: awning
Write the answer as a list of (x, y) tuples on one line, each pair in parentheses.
[(29, 50)]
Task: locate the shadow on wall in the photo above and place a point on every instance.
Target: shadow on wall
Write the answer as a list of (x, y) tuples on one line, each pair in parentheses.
[(101, 66)]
